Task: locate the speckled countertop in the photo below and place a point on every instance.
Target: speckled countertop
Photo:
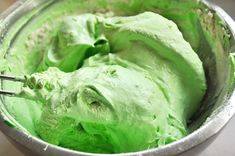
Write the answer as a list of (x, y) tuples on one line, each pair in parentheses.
[(224, 145)]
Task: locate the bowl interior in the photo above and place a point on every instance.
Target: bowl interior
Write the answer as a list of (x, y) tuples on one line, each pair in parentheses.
[(201, 27)]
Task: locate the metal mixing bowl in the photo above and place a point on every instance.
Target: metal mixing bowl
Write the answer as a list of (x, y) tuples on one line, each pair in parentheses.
[(218, 113)]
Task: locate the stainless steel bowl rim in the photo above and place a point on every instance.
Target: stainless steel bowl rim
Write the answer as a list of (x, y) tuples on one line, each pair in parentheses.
[(199, 136)]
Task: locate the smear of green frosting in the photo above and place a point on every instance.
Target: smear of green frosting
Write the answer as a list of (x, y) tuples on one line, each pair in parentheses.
[(113, 85)]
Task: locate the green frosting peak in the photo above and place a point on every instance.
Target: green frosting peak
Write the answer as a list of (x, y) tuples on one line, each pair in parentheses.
[(118, 84), (78, 37)]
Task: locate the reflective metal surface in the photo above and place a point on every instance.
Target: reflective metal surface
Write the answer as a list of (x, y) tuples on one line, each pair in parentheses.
[(190, 145)]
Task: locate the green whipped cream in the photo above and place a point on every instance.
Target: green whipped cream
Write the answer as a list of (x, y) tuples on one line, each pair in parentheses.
[(115, 84), (115, 76)]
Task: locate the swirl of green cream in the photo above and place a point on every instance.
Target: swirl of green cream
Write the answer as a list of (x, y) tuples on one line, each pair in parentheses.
[(113, 85)]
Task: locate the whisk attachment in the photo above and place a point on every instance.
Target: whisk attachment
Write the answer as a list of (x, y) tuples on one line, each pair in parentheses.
[(10, 78)]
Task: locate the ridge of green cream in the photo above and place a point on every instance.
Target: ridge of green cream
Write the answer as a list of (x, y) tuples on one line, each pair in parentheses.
[(115, 84)]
